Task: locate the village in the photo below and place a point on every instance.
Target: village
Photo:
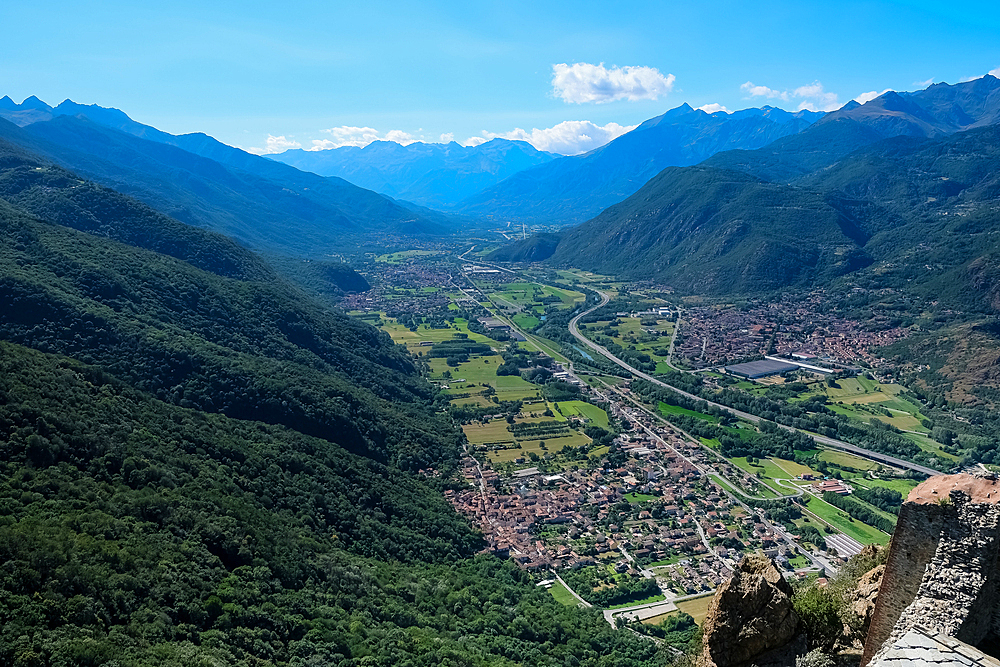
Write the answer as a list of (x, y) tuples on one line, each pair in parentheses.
[(673, 512), (800, 326)]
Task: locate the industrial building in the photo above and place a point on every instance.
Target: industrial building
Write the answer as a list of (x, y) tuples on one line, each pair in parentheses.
[(754, 370)]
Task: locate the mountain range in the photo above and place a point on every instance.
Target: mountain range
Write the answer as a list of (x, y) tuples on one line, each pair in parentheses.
[(575, 188), (264, 204), (902, 182), (434, 175)]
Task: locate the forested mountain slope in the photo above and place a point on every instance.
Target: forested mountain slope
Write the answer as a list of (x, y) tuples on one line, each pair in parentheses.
[(713, 231), (218, 476), (253, 348), (921, 212), (138, 533)]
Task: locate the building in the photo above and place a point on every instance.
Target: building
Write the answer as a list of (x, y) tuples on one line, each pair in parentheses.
[(753, 370)]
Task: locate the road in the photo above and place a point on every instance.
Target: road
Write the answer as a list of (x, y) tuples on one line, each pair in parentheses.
[(829, 442), (571, 591)]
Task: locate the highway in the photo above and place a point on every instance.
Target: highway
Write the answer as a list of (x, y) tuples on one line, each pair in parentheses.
[(829, 442)]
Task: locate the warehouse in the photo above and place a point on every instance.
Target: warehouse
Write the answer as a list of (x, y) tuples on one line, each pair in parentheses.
[(754, 370)]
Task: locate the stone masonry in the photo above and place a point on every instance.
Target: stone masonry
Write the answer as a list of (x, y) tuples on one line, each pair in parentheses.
[(941, 573)]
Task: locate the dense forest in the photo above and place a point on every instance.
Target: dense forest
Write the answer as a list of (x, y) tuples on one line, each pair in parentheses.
[(141, 532)]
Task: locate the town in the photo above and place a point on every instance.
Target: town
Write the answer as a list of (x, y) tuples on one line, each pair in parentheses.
[(603, 496)]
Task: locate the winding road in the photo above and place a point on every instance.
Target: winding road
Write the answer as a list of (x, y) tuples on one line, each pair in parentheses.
[(822, 439)]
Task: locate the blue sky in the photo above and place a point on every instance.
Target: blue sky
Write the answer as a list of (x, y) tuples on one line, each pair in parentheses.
[(260, 74)]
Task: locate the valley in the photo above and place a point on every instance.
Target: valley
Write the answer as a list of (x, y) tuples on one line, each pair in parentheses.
[(637, 497), (387, 400)]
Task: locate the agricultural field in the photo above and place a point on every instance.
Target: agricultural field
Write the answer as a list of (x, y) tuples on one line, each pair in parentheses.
[(903, 486), (592, 413), (401, 335), (848, 461), (696, 607), (531, 299), (864, 399), (504, 446), (631, 333), (842, 522), (666, 409)]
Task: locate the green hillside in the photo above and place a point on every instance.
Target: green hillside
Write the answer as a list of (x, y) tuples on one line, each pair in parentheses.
[(715, 231), (134, 532), (912, 213)]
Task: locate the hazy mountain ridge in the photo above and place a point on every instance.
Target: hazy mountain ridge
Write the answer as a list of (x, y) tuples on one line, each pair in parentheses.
[(572, 189), (244, 196), (938, 110), (436, 175)]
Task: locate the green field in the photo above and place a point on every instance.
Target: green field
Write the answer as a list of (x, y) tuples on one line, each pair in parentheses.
[(638, 497), (903, 486), (526, 295), (412, 339), (838, 519), (793, 469), (595, 414), (666, 409), (630, 333), (562, 595), (865, 399), (510, 447), (696, 607), (525, 322), (843, 459), (397, 257)]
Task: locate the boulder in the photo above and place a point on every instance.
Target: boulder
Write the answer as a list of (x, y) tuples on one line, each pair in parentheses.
[(751, 620)]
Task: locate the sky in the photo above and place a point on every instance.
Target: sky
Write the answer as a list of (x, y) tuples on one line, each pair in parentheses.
[(565, 76)]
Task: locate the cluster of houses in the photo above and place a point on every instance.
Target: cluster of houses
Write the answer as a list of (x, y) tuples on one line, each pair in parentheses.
[(797, 327)]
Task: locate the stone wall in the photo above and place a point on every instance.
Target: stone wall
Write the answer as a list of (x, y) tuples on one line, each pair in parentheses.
[(942, 566), (913, 545)]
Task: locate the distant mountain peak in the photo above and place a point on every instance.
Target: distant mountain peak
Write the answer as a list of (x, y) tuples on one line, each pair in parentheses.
[(35, 103), (7, 103), (679, 111)]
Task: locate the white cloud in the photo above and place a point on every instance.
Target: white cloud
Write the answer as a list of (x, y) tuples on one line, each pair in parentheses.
[(923, 84), (447, 137), (349, 135), (275, 145), (870, 95), (811, 97), (584, 82), (995, 72), (763, 91), (714, 107), (570, 137)]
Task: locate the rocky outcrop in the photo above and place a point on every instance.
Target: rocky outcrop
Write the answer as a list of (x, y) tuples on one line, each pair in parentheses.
[(860, 605), (751, 620)]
